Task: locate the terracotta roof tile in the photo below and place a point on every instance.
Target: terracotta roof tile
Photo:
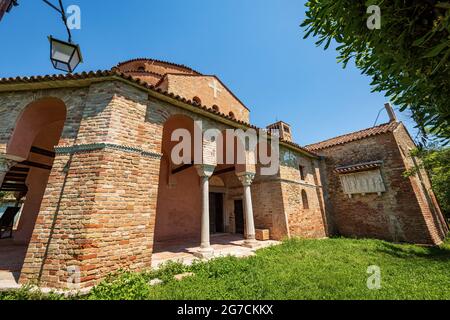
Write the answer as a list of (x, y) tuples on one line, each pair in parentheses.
[(354, 136), (117, 73), (359, 167), (158, 61)]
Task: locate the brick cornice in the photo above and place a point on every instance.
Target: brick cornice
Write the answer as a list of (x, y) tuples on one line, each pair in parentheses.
[(83, 148)]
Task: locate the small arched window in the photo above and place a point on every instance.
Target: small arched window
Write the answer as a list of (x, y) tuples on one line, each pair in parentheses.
[(305, 200), (215, 108), (231, 115), (141, 69), (197, 100)]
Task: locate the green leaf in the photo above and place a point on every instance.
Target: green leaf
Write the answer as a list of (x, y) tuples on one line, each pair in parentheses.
[(436, 50)]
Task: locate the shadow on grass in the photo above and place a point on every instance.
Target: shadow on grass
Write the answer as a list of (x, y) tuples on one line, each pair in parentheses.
[(410, 252)]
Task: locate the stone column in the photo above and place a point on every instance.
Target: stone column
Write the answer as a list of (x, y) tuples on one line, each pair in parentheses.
[(205, 172), (246, 179), (5, 166)]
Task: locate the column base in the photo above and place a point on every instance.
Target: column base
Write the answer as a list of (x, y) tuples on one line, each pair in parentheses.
[(251, 243), (204, 253)]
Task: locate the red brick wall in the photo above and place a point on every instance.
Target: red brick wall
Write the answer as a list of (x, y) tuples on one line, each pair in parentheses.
[(98, 216), (198, 86), (422, 187), (99, 207), (278, 204), (269, 208), (306, 220), (186, 83), (371, 215)]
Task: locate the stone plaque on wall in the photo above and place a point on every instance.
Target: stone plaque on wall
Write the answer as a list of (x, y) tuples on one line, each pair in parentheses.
[(363, 182)]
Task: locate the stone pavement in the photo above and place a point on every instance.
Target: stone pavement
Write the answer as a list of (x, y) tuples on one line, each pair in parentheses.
[(182, 250), (11, 260)]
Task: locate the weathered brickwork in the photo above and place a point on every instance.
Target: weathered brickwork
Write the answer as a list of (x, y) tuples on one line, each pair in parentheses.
[(205, 90), (397, 214), (268, 208), (98, 214), (302, 201), (421, 185), (189, 86), (14, 103), (99, 207)]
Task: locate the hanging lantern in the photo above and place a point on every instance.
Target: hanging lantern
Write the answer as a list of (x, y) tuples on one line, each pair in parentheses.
[(65, 56)]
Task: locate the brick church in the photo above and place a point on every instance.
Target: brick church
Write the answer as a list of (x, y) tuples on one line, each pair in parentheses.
[(88, 158)]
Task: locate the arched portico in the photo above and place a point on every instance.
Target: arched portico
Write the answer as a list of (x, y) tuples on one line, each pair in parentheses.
[(192, 195), (24, 171)]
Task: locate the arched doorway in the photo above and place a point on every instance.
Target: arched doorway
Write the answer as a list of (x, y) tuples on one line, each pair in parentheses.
[(37, 131)]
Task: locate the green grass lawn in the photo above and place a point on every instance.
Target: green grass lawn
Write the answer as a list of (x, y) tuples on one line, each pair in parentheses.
[(297, 269)]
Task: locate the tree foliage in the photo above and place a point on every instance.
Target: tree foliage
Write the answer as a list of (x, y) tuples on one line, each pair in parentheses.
[(407, 58)]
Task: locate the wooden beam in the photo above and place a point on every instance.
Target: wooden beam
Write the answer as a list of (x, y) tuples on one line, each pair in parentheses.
[(13, 187), (36, 165), (43, 152), (16, 175), (15, 179), (19, 169)]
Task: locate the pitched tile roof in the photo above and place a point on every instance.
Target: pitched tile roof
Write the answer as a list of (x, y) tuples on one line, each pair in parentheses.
[(158, 61), (10, 83), (354, 136), (359, 167)]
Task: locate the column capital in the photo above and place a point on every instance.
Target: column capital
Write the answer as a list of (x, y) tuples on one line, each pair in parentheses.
[(205, 170), (246, 178)]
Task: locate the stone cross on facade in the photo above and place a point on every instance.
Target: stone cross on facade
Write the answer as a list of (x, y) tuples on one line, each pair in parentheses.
[(215, 86)]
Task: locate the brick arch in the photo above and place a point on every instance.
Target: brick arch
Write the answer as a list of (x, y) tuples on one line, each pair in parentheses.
[(38, 126), (178, 205), (35, 117)]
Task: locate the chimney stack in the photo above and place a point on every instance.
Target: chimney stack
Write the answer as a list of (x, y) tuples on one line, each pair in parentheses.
[(391, 112)]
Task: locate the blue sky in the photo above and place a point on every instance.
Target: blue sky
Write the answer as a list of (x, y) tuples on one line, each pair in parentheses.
[(255, 46)]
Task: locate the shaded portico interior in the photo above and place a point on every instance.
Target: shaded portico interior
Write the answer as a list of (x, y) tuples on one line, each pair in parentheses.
[(196, 201)]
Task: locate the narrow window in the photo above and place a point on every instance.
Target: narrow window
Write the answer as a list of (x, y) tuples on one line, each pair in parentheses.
[(305, 200), (215, 108), (141, 69), (231, 114), (302, 172)]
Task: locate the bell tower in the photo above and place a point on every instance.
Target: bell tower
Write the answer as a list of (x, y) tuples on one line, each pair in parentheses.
[(283, 128)]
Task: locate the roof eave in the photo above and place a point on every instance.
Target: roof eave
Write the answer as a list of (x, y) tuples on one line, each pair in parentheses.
[(85, 80)]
